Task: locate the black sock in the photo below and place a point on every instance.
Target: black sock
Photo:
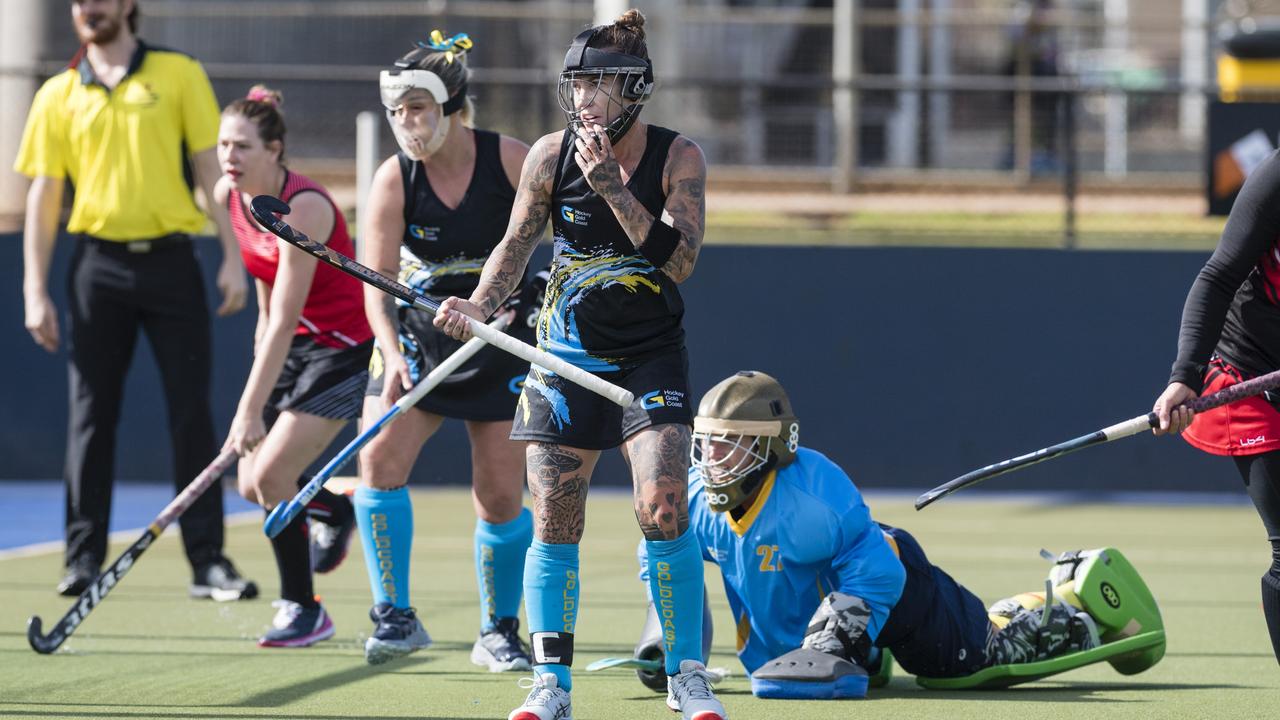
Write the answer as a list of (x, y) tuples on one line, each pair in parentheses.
[(1271, 609), (293, 559), (328, 507)]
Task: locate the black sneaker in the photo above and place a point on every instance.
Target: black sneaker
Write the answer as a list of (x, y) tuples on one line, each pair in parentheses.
[(297, 626), (219, 581), (398, 633), (500, 647), (329, 543), (80, 575)]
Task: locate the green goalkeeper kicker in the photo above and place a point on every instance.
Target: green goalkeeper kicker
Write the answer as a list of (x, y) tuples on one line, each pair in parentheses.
[(1129, 622)]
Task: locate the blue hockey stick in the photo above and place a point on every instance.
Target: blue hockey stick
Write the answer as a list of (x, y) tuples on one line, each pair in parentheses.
[(284, 513)]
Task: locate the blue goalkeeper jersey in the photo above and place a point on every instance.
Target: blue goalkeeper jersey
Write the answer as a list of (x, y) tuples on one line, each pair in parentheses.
[(807, 534)]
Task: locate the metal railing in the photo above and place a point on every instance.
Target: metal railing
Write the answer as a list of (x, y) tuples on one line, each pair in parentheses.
[(858, 90)]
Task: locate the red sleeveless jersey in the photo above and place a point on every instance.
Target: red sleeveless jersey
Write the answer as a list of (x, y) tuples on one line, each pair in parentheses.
[(334, 311)]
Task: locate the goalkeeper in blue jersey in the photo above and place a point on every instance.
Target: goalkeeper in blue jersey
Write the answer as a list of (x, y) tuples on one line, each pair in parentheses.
[(820, 591)]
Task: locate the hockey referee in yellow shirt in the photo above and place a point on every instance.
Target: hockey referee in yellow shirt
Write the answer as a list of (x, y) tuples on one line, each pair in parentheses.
[(119, 123)]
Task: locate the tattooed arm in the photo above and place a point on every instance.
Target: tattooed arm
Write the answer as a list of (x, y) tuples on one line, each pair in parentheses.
[(505, 267), (529, 214), (684, 181)]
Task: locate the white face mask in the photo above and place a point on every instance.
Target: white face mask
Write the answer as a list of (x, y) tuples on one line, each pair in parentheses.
[(422, 141)]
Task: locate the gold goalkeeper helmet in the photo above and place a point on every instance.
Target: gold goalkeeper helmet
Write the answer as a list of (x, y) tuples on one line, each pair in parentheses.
[(744, 429)]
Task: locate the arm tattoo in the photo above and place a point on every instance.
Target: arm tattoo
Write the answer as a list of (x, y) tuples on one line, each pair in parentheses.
[(559, 489), (505, 266), (687, 207), (660, 474), (686, 179)]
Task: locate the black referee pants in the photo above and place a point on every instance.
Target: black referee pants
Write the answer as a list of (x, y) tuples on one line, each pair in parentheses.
[(113, 292)]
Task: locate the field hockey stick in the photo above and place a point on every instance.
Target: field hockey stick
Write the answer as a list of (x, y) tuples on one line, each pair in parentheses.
[(265, 208), (111, 577), (284, 513), (1239, 391)]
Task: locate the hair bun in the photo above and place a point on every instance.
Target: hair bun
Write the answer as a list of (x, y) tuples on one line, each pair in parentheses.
[(265, 95), (632, 20)]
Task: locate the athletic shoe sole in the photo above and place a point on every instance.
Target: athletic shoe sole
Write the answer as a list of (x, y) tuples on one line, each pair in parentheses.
[(216, 594), (324, 633), (485, 659), (377, 652)]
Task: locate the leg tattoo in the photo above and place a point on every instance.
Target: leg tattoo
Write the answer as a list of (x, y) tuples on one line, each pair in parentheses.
[(558, 484), (660, 473)]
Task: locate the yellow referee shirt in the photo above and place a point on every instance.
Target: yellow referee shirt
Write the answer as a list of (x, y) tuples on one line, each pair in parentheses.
[(124, 148)]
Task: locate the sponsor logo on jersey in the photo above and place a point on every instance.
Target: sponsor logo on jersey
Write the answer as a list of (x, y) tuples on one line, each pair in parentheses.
[(575, 216), (1247, 442), (516, 384), (425, 232), (662, 398)]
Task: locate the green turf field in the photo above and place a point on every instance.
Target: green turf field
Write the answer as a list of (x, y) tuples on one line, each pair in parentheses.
[(149, 652)]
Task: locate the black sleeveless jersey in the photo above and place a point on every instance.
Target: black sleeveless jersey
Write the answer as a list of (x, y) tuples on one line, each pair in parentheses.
[(607, 307), (444, 249)]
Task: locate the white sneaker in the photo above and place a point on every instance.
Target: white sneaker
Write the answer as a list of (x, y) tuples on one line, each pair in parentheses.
[(689, 693), (546, 700)]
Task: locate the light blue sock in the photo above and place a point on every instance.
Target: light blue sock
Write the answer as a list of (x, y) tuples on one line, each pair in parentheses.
[(385, 521), (551, 601), (675, 581), (500, 551)]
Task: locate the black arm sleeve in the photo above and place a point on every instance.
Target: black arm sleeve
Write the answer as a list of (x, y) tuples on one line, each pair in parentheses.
[(1251, 231)]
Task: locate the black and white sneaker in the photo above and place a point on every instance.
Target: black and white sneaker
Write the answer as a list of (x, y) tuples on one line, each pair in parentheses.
[(81, 573), (329, 543), (500, 647), (398, 633), (219, 581)]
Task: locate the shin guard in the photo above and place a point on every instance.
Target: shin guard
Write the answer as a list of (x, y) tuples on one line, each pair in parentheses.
[(551, 601), (500, 555), (675, 584), (385, 521)]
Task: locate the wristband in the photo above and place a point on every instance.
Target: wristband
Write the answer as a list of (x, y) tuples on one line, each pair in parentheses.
[(660, 243)]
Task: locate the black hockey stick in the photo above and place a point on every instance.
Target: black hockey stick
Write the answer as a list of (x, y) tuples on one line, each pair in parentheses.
[(1239, 391), (265, 208), (104, 583)]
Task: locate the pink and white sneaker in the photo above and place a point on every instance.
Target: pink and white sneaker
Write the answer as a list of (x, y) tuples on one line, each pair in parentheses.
[(546, 700), (296, 626)]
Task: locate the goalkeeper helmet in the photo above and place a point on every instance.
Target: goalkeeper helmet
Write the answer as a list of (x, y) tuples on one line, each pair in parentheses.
[(744, 429)]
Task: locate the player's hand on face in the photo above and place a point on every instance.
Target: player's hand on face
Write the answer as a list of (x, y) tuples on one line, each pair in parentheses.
[(1173, 418), (596, 160), (42, 321), (452, 318), (234, 288), (247, 432)]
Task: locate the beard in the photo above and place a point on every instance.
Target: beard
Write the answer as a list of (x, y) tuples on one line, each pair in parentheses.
[(100, 30)]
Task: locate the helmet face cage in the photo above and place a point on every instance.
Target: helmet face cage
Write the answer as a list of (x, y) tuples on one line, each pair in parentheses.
[(625, 87), (725, 477)]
